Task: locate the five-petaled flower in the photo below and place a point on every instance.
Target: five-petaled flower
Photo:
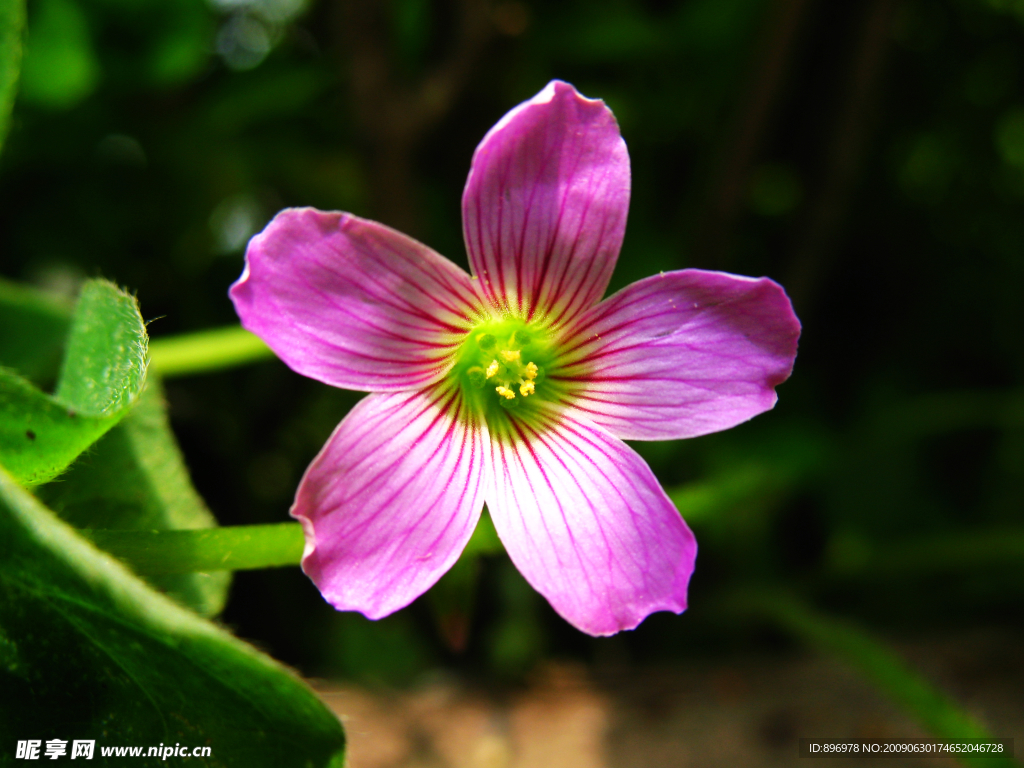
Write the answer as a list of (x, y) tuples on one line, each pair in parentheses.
[(514, 387)]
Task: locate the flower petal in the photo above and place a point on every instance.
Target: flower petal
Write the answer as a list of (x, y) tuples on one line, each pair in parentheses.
[(681, 354), (585, 521), (351, 302), (544, 209), (391, 500)]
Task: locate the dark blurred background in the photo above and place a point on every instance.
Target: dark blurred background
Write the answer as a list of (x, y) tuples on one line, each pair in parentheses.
[(867, 155)]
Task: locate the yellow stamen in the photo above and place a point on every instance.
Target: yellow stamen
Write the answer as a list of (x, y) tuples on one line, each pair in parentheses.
[(531, 371), (508, 355), (505, 392), (491, 369), (526, 388)]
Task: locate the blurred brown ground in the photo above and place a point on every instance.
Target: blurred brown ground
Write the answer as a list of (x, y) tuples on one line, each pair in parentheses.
[(747, 711)]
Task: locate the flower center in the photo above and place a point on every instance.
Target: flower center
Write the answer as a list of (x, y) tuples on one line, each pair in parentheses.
[(501, 366)]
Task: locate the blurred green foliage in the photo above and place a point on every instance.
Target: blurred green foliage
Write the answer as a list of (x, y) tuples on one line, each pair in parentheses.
[(12, 25), (60, 69), (868, 156)]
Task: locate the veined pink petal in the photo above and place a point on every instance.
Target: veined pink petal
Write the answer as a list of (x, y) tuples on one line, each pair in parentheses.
[(544, 209), (353, 303), (681, 354), (391, 500), (584, 520)]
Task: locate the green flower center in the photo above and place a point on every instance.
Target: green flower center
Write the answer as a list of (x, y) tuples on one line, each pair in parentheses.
[(501, 367)]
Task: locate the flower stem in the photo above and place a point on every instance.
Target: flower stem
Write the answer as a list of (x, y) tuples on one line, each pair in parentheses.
[(205, 351), (233, 548)]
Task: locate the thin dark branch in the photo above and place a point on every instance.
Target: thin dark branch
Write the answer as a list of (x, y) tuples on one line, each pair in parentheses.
[(751, 123), (846, 150), (394, 115)]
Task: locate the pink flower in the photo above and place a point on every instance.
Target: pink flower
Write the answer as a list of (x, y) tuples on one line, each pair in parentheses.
[(515, 386)]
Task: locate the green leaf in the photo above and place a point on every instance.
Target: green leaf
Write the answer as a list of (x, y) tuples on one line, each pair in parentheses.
[(87, 651), (103, 373), (40, 437), (32, 331), (12, 25), (135, 478), (105, 358)]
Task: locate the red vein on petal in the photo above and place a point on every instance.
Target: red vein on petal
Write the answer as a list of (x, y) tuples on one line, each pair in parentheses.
[(565, 449), (518, 425), (389, 414)]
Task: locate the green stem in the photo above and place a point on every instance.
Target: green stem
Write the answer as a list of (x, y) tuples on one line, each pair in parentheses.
[(205, 351), (234, 548), (936, 712)]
